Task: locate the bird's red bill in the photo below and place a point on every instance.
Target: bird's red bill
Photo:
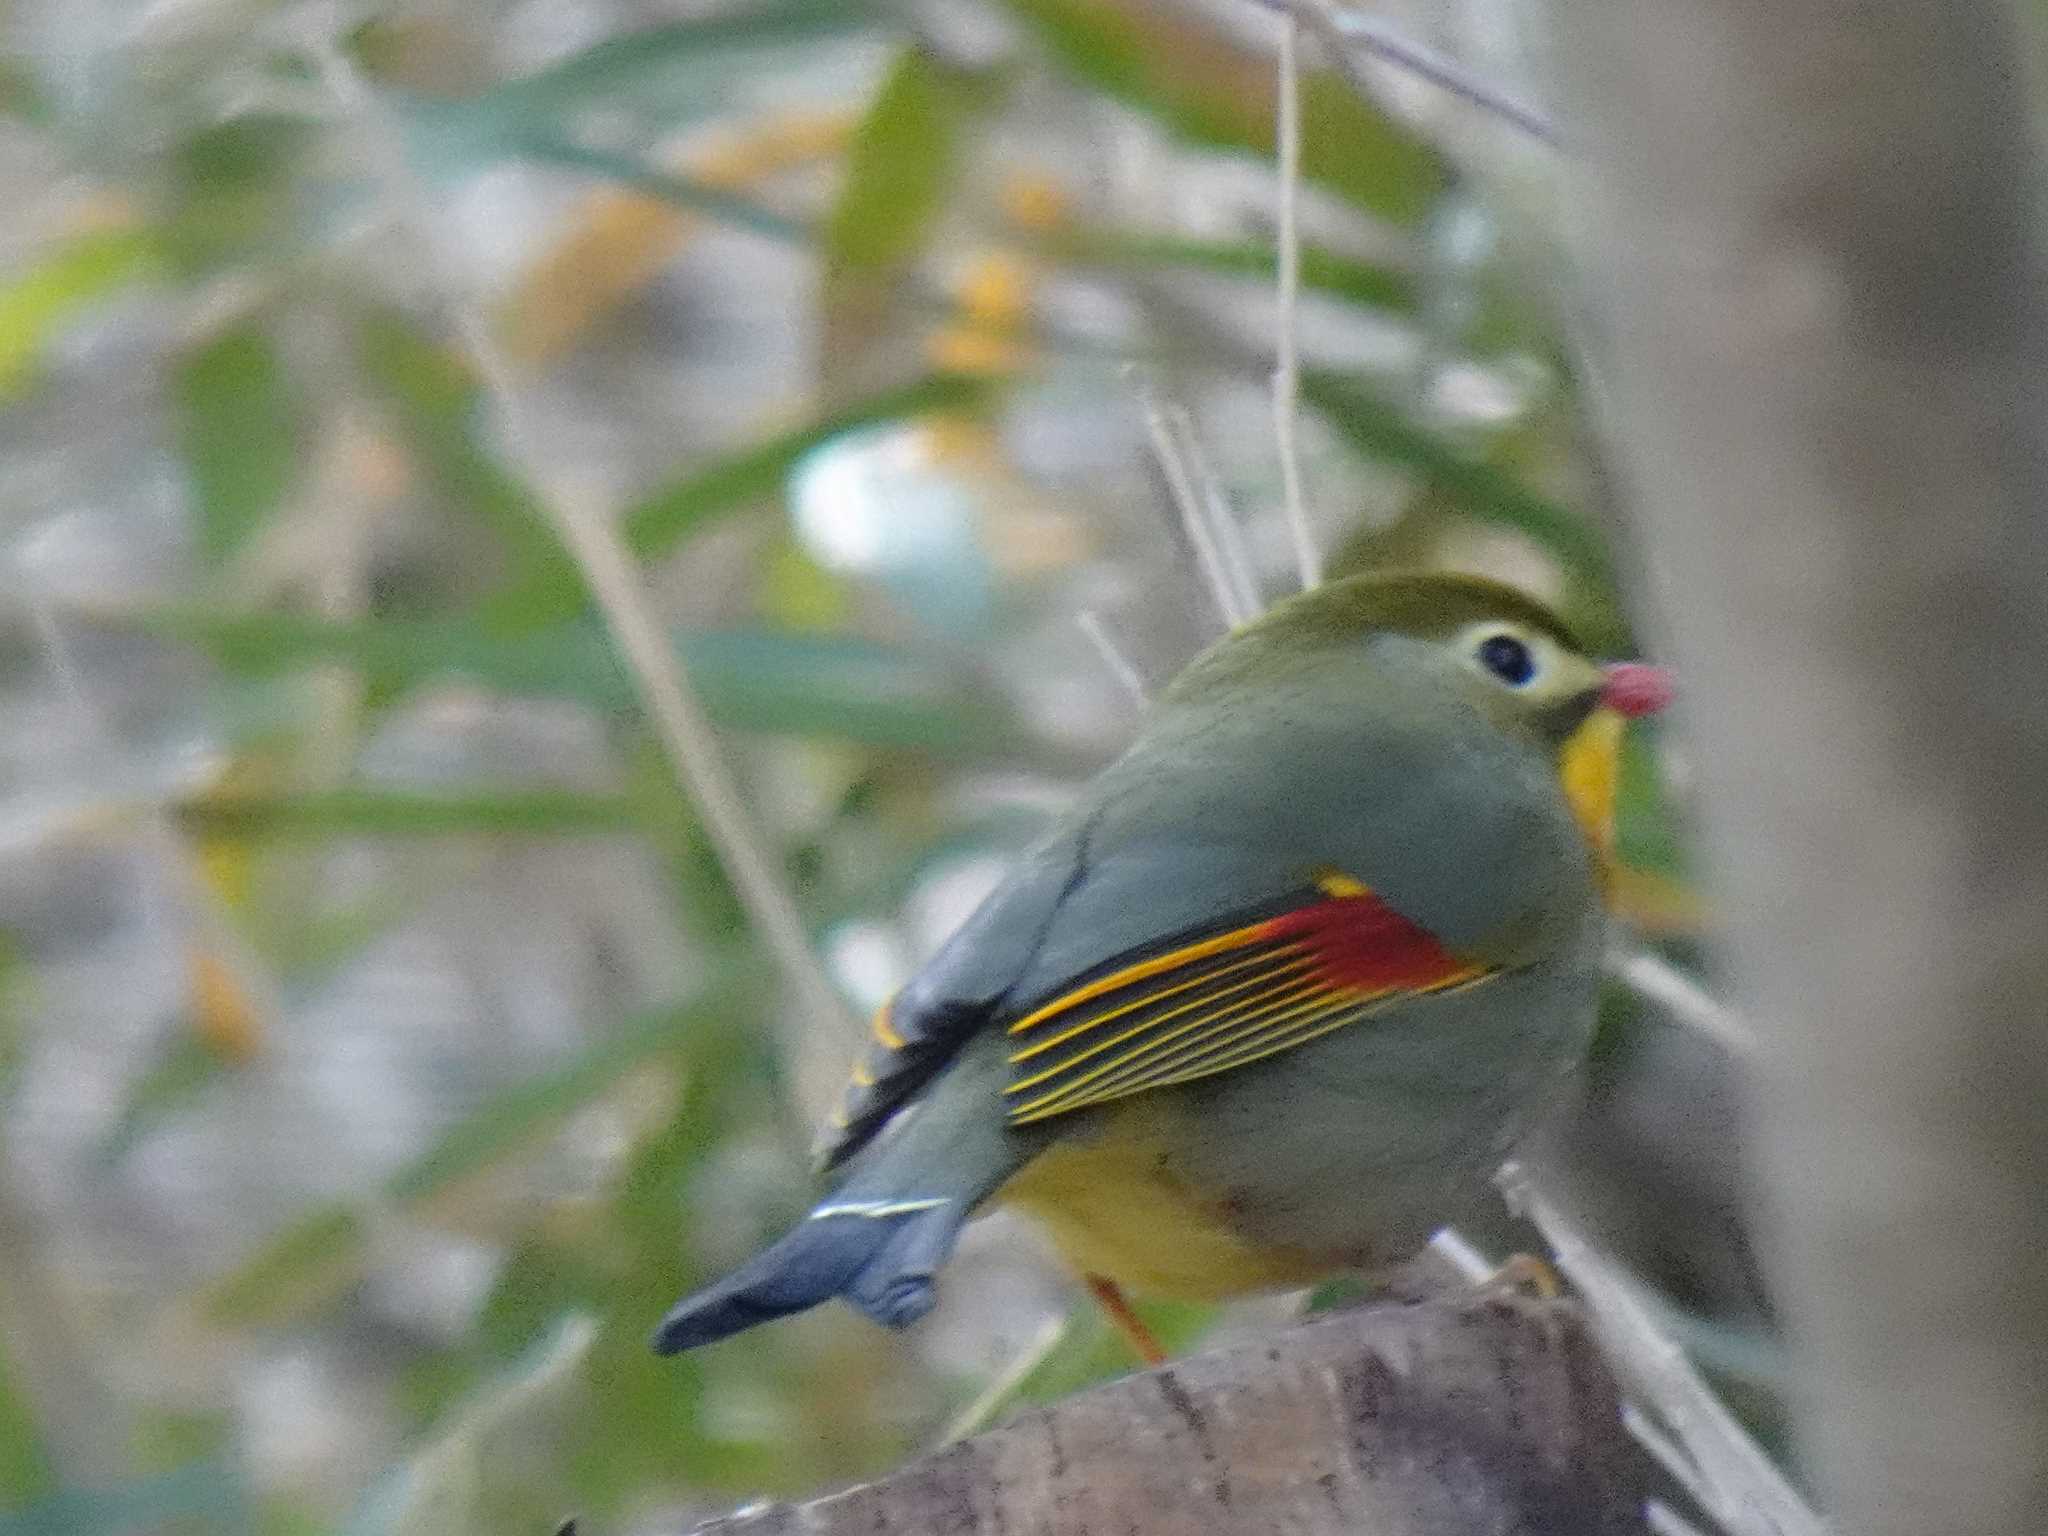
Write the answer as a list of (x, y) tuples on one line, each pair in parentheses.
[(1636, 688)]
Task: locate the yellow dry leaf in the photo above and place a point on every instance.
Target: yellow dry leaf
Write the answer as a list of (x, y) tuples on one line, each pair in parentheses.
[(619, 240), (224, 1017)]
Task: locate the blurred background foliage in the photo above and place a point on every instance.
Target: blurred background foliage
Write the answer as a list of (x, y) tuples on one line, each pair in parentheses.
[(382, 1045)]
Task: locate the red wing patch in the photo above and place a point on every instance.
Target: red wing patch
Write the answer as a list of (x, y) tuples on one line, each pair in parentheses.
[(1220, 1000)]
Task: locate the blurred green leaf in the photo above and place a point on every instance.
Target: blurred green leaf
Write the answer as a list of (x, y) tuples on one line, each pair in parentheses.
[(234, 191), (728, 207), (1350, 147), (21, 93), (393, 813), (554, 591), (663, 77), (629, 62), (439, 1490), (183, 1069), (13, 1008), (1322, 271), (322, 1254), (1196, 83), (771, 681), (437, 397), (1383, 433), (36, 304), (235, 423), (653, 1419), (395, 654), (664, 518), (209, 1492), (900, 167), (26, 1473), (1648, 830), (299, 1270)]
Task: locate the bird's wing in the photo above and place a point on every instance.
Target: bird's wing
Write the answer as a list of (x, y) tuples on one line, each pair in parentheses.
[(1260, 981), (961, 988), (1208, 904)]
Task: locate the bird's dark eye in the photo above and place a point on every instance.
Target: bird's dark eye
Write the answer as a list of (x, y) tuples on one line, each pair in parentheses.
[(1507, 659)]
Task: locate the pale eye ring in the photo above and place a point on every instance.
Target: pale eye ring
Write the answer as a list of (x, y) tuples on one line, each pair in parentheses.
[(1507, 658)]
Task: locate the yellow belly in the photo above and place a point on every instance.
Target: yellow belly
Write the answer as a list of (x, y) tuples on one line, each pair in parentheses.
[(1113, 1208)]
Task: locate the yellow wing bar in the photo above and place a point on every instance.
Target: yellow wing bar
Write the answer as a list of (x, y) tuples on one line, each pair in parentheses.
[(1225, 1000)]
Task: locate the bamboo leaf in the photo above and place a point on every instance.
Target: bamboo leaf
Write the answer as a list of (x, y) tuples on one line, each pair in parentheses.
[(395, 813), (900, 168), (437, 398), (661, 521), (1199, 85), (37, 304), (773, 681), (1322, 271), (553, 592), (183, 1070), (632, 61), (21, 93), (687, 192), (13, 1012), (235, 424), (439, 1490), (321, 1255), (26, 1472)]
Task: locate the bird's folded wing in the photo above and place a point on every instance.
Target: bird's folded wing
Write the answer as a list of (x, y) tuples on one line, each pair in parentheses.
[(1201, 1003), (917, 1033)]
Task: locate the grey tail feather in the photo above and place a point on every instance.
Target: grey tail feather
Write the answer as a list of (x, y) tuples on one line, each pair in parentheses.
[(880, 1256)]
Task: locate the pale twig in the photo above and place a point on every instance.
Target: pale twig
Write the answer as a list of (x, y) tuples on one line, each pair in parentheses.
[(1459, 1252), (1173, 464), (619, 592), (1736, 1482), (1663, 1520), (1287, 361), (1114, 661), (1662, 1449), (1658, 982), (994, 1397), (1215, 507), (1346, 33)]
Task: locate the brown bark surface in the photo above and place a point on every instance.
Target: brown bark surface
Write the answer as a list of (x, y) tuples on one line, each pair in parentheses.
[(1446, 1418)]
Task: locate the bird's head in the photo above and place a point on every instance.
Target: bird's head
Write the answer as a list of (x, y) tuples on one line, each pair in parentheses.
[(1430, 635)]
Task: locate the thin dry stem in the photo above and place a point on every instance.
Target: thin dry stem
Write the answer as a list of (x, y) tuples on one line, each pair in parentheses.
[(1347, 33), (1216, 508), (1287, 366), (1660, 983), (1663, 1520), (1734, 1480), (981, 1413), (1173, 459), (1114, 661), (1461, 1254)]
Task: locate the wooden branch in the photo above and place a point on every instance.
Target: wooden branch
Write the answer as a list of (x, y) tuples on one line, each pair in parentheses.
[(1492, 1415), (1816, 256)]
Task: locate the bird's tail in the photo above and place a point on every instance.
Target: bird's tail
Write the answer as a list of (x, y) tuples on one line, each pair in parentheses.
[(881, 1256), (880, 1239)]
